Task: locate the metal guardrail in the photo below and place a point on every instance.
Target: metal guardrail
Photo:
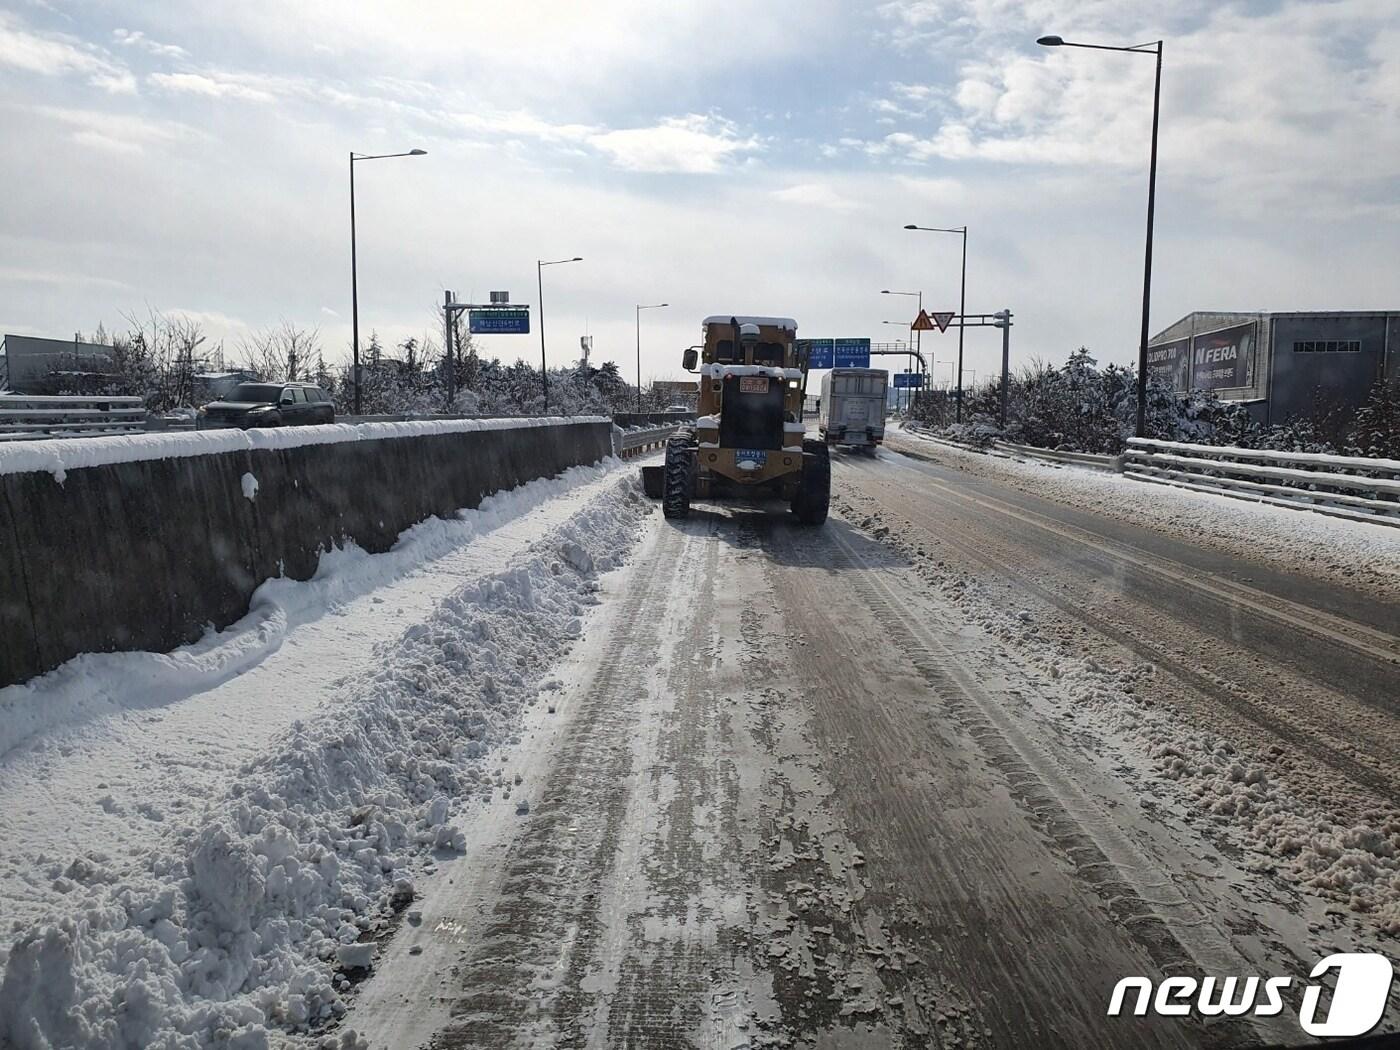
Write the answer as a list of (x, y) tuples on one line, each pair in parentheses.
[(1354, 487), (1092, 460), (26, 417), (1008, 449), (627, 443)]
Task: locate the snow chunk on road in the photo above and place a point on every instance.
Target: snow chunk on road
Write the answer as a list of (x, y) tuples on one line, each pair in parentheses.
[(358, 956), (250, 487)]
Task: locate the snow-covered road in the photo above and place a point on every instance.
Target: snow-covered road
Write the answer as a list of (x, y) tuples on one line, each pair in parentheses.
[(873, 786), (940, 773)]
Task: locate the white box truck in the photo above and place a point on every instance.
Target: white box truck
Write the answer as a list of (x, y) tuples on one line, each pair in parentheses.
[(852, 407)]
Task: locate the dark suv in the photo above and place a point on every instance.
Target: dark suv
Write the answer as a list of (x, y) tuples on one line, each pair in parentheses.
[(269, 405)]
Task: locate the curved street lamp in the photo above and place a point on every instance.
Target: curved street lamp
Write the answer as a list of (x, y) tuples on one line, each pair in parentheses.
[(962, 296), (918, 336), (1153, 48), (354, 276), (539, 281), (656, 306)]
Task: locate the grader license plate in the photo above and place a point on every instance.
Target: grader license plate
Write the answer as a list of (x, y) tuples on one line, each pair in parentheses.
[(753, 384)]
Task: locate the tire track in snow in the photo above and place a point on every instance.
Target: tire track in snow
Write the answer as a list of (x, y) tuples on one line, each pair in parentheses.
[(524, 972), (1102, 858)]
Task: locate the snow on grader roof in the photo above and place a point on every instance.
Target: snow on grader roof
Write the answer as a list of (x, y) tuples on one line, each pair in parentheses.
[(770, 322)]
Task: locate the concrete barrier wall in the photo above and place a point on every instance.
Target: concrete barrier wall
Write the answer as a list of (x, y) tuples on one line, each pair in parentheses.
[(146, 555)]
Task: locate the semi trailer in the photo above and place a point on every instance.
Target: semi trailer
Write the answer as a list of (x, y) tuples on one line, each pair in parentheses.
[(852, 407)]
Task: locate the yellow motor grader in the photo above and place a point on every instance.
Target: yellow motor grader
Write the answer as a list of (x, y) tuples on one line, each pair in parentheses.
[(749, 437)]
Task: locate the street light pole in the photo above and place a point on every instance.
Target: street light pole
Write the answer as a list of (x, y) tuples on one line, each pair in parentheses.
[(354, 295), (539, 281), (640, 308), (918, 337), (1154, 48), (354, 268), (962, 295), (1147, 261)]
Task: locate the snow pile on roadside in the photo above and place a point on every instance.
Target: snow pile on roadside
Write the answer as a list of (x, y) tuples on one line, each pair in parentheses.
[(1356, 554), (1353, 861), (1240, 789), (238, 924), (97, 683), (60, 455)]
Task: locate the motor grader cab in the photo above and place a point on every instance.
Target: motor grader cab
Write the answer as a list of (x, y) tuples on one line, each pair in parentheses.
[(749, 437)]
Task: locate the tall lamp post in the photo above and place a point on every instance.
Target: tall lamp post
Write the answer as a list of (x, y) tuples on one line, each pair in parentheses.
[(919, 335), (354, 275), (1154, 48), (962, 296), (656, 306), (539, 281)]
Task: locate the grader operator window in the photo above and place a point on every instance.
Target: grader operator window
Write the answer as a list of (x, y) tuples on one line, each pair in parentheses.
[(724, 350), (768, 354)]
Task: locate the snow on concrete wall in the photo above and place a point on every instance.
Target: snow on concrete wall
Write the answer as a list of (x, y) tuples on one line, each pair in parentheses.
[(58, 456), (133, 543)]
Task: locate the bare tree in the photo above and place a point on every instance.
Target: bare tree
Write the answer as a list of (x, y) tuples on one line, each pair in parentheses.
[(159, 357), (284, 352)]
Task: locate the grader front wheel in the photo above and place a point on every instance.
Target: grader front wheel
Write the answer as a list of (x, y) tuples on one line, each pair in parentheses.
[(680, 469)]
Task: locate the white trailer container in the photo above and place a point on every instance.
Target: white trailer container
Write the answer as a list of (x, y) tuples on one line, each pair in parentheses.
[(852, 408)]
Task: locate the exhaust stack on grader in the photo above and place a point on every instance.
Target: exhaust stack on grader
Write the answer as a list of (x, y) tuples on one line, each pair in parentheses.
[(748, 438)]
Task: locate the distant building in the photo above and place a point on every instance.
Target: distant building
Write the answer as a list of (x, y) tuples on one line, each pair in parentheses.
[(40, 366), (1280, 365), (677, 391)]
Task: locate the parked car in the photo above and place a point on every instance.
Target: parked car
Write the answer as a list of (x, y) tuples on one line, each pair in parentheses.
[(269, 405), (679, 408)]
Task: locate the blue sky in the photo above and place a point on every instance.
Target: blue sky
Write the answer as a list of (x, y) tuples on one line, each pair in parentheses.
[(722, 156)]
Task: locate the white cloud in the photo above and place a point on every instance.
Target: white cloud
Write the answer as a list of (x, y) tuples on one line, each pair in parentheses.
[(54, 54), (218, 322), (1262, 108), (533, 53), (817, 195), (112, 132), (136, 38), (209, 86), (693, 144), (64, 279)]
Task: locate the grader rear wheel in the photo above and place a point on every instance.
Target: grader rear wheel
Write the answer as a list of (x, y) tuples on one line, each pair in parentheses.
[(813, 497)]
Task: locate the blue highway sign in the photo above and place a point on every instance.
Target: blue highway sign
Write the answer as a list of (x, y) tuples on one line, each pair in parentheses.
[(836, 353), (499, 322)]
